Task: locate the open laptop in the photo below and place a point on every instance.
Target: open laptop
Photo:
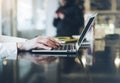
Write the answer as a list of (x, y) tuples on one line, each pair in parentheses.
[(70, 48)]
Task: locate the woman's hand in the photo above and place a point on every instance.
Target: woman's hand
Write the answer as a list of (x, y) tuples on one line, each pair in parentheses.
[(61, 16), (39, 42)]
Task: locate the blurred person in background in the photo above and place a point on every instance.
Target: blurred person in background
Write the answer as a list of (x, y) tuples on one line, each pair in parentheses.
[(69, 18)]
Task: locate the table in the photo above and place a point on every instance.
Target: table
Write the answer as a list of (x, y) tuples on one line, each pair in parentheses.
[(100, 66)]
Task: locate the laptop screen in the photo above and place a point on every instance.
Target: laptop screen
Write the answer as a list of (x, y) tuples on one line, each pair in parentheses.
[(87, 27)]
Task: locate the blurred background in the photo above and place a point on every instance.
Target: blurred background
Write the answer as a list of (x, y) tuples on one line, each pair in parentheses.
[(30, 18)]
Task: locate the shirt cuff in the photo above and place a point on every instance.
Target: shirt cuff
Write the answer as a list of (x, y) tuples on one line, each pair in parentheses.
[(8, 50)]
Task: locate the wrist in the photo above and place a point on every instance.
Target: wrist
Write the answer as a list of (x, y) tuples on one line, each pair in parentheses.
[(19, 46)]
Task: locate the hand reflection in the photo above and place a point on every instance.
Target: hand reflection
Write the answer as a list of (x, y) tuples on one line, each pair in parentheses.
[(37, 58)]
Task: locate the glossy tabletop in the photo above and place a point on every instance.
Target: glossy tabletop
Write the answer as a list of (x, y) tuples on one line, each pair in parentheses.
[(100, 66)]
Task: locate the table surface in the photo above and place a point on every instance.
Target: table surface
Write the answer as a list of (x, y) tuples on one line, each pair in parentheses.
[(100, 66)]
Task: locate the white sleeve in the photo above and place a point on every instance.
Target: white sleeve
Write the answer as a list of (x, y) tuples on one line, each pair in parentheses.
[(8, 39), (8, 50)]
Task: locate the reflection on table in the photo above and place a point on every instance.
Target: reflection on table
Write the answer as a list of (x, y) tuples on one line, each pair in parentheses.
[(100, 66)]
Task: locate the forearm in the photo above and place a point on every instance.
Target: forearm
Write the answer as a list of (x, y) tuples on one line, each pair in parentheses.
[(8, 46)]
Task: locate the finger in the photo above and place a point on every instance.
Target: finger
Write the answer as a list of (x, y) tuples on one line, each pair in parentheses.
[(55, 41), (48, 41), (43, 46), (51, 43)]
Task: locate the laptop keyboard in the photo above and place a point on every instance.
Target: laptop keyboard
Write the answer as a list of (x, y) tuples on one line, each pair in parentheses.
[(66, 47)]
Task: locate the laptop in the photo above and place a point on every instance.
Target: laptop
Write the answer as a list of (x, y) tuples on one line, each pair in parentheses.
[(71, 48)]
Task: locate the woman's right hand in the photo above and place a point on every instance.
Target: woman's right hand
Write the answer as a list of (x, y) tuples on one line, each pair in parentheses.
[(38, 42)]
